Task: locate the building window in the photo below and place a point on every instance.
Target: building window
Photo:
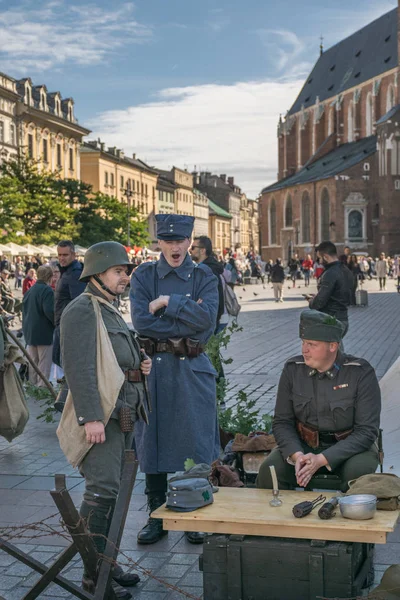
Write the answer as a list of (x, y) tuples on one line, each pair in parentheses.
[(288, 212), (142, 189), (355, 225), (13, 137), (272, 222), (45, 151), (1, 131), (112, 179), (105, 177), (28, 95), (59, 162), (376, 211), (350, 123), (368, 115), (331, 121), (305, 218), (30, 145), (71, 159), (325, 216), (390, 98), (146, 189), (121, 180)]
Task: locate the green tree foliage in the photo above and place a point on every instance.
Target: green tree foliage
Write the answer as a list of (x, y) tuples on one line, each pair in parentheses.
[(30, 204), (39, 207)]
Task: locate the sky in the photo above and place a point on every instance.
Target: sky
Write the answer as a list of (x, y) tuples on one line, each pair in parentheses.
[(195, 84)]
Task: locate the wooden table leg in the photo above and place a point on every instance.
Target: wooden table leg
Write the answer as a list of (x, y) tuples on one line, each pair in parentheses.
[(117, 524)]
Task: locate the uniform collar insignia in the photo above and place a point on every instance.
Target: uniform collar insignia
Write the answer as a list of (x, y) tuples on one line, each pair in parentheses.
[(186, 268)]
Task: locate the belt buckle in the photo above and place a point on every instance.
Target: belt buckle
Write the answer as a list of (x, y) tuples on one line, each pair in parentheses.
[(162, 347)]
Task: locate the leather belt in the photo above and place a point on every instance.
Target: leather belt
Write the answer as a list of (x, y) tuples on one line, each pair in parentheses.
[(133, 375)]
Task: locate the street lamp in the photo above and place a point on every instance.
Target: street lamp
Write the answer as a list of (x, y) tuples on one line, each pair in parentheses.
[(128, 194)]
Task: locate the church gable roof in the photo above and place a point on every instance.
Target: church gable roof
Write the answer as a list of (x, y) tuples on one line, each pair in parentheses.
[(365, 54), (338, 160)]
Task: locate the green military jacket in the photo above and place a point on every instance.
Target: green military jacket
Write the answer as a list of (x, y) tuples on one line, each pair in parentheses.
[(345, 397), (78, 350)]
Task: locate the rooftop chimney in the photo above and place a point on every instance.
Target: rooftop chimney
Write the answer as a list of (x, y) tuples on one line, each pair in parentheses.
[(231, 181), (134, 156), (223, 177)]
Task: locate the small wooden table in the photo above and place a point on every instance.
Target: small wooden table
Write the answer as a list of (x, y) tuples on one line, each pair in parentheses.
[(247, 511)]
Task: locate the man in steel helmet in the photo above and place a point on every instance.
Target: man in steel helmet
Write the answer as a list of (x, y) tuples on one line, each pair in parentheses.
[(106, 272)]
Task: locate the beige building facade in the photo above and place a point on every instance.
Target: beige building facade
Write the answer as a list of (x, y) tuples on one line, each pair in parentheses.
[(128, 179), (201, 213), (8, 117), (47, 129), (219, 227), (183, 190)]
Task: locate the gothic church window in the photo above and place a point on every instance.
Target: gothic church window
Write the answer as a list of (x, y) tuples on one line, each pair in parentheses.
[(350, 123), (305, 218), (368, 115), (390, 98), (272, 222), (288, 212), (325, 215)]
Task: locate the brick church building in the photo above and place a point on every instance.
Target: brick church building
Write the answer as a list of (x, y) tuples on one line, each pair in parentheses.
[(339, 152)]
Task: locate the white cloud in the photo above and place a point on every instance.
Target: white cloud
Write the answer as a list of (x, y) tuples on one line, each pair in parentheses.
[(37, 39), (220, 128)]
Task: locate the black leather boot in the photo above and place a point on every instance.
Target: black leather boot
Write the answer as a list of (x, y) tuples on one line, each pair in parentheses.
[(153, 531), (195, 537), (98, 515)]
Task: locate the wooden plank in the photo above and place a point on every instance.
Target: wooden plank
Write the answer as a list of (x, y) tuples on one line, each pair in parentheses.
[(304, 533), (247, 511)]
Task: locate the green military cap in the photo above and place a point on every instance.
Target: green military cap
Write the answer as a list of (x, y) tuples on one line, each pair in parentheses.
[(318, 326)]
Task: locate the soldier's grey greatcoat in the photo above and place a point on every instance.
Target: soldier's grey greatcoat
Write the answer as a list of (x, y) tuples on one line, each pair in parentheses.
[(183, 422)]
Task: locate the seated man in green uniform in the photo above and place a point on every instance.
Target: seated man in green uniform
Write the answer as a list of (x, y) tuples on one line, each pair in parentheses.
[(327, 411)]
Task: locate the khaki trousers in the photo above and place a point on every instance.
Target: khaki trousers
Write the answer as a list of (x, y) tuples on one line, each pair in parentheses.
[(359, 464), (42, 357), (278, 287)]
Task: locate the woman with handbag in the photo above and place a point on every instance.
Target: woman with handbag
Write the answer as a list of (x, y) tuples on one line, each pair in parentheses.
[(98, 351)]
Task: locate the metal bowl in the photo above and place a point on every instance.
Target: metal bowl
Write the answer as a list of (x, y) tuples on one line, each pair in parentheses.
[(358, 506)]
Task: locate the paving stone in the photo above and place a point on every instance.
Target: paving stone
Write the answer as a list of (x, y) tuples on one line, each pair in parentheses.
[(184, 559), (7, 582), (172, 570), (5, 559), (18, 569), (153, 585), (193, 578), (197, 592)]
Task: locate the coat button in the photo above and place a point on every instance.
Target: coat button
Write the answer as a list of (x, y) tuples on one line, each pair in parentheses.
[(80, 418), (189, 275), (158, 359)]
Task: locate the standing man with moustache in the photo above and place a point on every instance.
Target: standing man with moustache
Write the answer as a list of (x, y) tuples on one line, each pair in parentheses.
[(174, 305)]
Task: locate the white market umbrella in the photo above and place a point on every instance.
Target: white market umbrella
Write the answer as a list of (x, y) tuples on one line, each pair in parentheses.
[(47, 251), (16, 250), (80, 250), (32, 250), (4, 249)]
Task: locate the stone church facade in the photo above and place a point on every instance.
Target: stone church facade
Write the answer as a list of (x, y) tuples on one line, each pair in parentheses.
[(339, 152)]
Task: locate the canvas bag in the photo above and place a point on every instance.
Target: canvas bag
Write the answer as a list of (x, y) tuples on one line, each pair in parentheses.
[(110, 378), (232, 305), (14, 413), (385, 486)]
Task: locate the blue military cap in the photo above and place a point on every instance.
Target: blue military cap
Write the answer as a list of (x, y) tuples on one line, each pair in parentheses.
[(186, 495), (318, 326), (174, 227)]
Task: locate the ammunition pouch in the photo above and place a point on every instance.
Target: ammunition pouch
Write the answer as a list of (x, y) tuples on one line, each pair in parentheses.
[(188, 347), (310, 435)]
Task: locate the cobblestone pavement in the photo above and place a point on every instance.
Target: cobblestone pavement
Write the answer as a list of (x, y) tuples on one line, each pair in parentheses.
[(269, 336)]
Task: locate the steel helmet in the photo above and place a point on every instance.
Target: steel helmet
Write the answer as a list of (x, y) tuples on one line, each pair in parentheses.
[(102, 256)]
